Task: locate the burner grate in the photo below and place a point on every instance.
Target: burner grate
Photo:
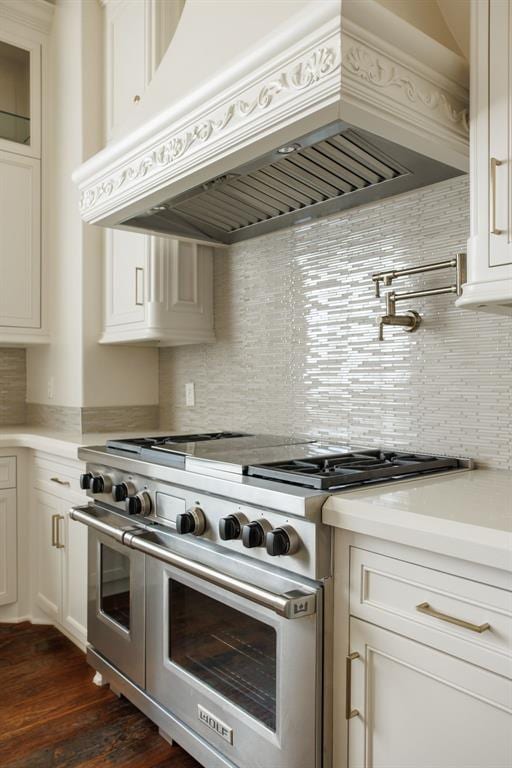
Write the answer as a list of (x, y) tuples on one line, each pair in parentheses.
[(324, 472)]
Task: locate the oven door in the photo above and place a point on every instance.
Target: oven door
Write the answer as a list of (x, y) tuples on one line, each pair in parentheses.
[(116, 600), (243, 677)]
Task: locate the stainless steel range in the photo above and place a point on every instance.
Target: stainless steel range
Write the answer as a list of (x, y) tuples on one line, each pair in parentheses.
[(209, 574)]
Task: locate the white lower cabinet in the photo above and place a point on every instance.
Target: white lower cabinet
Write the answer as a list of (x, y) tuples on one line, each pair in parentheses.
[(422, 661), (74, 581), (59, 551), (48, 557), (8, 546), (8, 531), (421, 708)]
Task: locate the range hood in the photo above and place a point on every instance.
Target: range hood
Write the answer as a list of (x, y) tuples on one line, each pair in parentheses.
[(284, 112)]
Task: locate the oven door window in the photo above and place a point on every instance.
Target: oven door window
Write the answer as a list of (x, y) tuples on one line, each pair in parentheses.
[(115, 586), (233, 653)]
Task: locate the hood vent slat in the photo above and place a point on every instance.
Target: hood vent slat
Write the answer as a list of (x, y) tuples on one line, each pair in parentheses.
[(366, 158)]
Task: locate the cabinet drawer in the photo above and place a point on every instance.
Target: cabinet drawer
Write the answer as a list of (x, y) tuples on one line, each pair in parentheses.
[(7, 472), (457, 615), (58, 478)]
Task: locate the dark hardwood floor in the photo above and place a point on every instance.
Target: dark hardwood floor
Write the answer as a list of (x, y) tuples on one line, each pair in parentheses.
[(53, 716)]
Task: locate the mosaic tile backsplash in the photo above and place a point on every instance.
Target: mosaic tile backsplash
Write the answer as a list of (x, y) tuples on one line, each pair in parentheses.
[(12, 386), (297, 349)]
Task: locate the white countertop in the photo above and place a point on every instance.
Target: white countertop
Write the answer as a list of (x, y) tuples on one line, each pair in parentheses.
[(463, 514), (64, 444)]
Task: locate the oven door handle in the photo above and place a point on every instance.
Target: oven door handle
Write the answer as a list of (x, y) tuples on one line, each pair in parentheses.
[(83, 515), (291, 605)]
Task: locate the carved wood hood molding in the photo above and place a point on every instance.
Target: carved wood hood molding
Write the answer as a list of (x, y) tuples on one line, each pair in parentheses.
[(330, 68)]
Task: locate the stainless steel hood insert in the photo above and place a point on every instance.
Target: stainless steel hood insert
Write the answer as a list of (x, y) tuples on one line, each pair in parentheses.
[(306, 179)]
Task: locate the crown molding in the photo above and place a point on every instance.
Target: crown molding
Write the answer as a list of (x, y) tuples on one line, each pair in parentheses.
[(36, 14), (383, 79)]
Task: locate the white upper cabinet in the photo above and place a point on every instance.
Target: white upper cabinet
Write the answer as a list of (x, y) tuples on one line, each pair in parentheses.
[(20, 253), (157, 290), (489, 284), (126, 271), (500, 133), (127, 65), (137, 33), (22, 51)]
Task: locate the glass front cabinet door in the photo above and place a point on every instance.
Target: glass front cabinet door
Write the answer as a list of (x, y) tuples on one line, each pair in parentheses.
[(20, 96)]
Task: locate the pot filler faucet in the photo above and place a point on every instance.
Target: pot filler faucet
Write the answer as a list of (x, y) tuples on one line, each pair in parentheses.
[(410, 320)]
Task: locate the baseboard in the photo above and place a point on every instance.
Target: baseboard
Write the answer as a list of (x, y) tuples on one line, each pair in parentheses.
[(80, 643)]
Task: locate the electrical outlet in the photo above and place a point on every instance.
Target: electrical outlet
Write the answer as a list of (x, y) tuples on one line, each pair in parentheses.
[(190, 394), (51, 388)]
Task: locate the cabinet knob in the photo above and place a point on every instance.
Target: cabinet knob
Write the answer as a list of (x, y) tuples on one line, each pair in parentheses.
[(136, 98)]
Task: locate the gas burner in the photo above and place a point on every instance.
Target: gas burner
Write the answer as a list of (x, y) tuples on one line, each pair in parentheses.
[(355, 468)]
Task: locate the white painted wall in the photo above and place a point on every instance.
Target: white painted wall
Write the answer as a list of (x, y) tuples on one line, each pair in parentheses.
[(83, 373), (428, 15), (62, 228)]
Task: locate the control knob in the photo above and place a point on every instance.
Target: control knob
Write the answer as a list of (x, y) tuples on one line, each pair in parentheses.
[(85, 480), (254, 533), (191, 521), (230, 527), (140, 504), (100, 484), (121, 491), (282, 541)]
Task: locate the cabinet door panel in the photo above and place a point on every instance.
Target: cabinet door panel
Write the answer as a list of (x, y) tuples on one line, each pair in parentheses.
[(47, 556), (500, 129), (8, 547), (74, 603), (127, 59), (126, 265), (20, 223), (423, 708)]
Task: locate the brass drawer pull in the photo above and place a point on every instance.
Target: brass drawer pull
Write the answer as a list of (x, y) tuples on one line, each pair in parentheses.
[(59, 481), (58, 542), (349, 712), (426, 608), (55, 532), (492, 197), (139, 281)]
